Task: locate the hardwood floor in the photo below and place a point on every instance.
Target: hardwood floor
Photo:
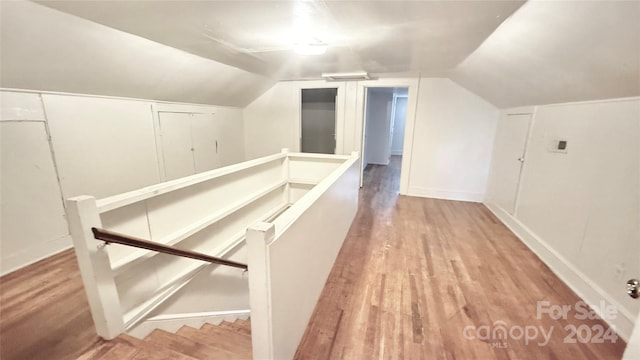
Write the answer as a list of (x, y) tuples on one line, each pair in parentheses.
[(412, 275), (44, 313), (416, 275)]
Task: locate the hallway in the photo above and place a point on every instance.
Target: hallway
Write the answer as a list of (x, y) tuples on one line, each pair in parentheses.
[(412, 276), (424, 278)]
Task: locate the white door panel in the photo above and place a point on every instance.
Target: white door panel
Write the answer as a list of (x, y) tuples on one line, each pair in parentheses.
[(33, 218), (509, 152), (175, 134), (204, 133)]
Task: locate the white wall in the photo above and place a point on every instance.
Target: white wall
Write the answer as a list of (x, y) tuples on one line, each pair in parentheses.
[(449, 131), (453, 139), (378, 126), (55, 146), (217, 288), (271, 122), (579, 210), (399, 121)]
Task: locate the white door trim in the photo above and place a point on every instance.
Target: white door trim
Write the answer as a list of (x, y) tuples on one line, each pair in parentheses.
[(413, 84)]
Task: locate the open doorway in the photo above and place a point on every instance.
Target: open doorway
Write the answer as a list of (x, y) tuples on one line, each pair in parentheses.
[(384, 127), (318, 120)]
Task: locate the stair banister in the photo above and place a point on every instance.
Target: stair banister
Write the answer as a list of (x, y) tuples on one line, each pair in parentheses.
[(117, 238), (95, 268)]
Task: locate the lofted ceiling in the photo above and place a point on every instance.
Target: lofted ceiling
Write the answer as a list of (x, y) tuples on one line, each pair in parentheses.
[(511, 53), (558, 51), (44, 49), (259, 36)]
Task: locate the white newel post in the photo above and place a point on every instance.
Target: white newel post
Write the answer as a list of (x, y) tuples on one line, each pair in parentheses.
[(95, 267), (258, 237), (285, 176)]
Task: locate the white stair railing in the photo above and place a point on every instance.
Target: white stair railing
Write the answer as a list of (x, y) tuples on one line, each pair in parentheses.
[(291, 258), (124, 285), (95, 267), (207, 213)]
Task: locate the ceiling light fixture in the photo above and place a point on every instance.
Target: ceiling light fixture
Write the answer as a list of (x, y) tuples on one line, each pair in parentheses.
[(311, 49), (356, 75)]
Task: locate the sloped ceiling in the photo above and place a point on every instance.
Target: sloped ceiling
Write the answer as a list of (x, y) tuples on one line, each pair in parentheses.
[(228, 52), (44, 49), (259, 36), (558, 51)]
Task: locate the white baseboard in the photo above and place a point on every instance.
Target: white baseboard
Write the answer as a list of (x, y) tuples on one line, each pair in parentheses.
[(396, 152), (584, 287), (173, 322), (445, 194), (385, 163), (34, 254)]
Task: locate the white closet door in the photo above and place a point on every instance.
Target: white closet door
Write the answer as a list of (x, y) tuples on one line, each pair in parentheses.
[(177, 148), (95, 138), (204, 133), (33, 219), (230, 137), (509, 153)]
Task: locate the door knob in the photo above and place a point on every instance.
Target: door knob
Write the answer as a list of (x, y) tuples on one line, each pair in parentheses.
[(633, 288)]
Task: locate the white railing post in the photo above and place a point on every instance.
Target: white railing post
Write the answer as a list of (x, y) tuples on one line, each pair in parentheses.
[(258, 237), (95, 267), (286, 176)]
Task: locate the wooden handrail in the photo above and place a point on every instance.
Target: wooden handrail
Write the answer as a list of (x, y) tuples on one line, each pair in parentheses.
[(116, 238)]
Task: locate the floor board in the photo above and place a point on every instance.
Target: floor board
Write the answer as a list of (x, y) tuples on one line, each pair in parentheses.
[(44, 313), (414, 273)]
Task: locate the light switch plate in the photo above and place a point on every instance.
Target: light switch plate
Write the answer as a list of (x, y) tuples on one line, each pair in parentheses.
[(558, 145)]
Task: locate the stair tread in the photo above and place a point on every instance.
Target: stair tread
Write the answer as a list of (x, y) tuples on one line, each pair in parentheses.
[(149, 351), (234, 326), (160, 354), (110, 350), (244, 322), (229, 336), (239, 346), (187, 345), (127, 347), (228, 341)]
